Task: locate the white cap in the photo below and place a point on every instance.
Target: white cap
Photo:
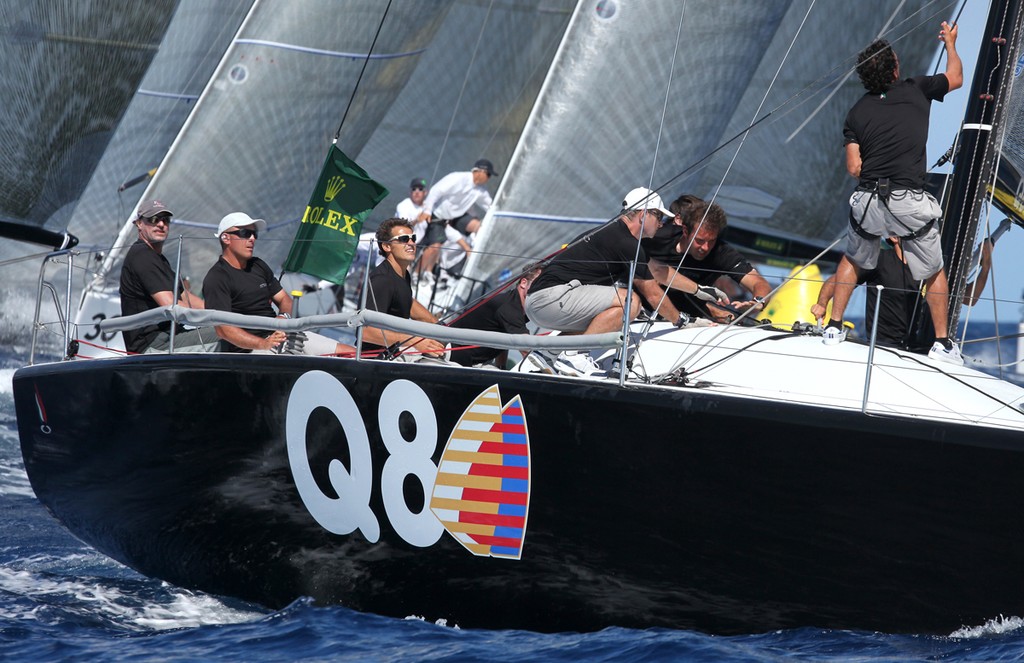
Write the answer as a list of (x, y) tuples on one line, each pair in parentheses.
[(644, 198), (240, 220)]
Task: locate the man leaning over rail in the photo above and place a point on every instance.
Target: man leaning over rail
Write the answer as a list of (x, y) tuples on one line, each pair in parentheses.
[(577, 293), (390, 291), (147, 282)]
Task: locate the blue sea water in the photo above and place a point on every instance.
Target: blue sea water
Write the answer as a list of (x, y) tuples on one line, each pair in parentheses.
[(61, 600)]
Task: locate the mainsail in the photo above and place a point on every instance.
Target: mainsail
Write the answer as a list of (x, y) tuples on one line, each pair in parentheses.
[(193, 45), (470, 95), (70, 70), (257, 136), (597, 126)]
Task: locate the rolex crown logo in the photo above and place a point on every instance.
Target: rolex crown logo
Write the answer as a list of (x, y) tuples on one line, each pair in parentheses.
[(334, 185)]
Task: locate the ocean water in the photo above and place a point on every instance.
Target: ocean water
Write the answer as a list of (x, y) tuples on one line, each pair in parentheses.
[(62, 601)]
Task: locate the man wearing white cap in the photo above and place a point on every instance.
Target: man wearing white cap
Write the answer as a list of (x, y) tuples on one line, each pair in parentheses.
[(147, 282), (577, 292), (240, 282)]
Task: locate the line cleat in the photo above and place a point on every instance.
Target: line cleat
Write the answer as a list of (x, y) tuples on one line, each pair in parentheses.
[(575, 363), (833, 336), (950, 356)]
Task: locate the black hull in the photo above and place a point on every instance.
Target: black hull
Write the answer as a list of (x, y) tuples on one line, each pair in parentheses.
[(648, 506)]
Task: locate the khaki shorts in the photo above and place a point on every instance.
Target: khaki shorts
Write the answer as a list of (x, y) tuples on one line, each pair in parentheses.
[(907, 212), (570, 307)]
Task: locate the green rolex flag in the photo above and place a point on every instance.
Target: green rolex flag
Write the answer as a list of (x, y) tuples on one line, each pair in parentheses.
[(329, 233)]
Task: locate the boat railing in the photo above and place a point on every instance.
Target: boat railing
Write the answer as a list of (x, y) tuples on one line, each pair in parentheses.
[(63, 314), (211, 317)]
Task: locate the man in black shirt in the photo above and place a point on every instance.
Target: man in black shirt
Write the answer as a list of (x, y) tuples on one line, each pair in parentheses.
[(578, 292), (390, 291), (502, 313), (885, 134), (239, 282), (147, 282), (708, 259)]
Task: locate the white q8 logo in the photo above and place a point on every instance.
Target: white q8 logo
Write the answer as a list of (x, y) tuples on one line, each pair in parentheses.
[(351, 509)]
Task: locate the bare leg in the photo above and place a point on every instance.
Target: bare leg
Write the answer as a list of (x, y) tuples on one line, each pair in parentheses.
[(937, 296), (846, 279), (429, 258)]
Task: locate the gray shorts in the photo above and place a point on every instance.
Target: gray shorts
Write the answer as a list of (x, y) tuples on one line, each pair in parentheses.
[(203, 339), (907, 212), (570, 307)]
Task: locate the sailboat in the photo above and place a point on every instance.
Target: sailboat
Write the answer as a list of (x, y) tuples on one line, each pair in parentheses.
[(729, 479)]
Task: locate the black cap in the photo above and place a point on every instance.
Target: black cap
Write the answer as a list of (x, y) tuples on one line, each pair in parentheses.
[(418, 183), (486, 166)]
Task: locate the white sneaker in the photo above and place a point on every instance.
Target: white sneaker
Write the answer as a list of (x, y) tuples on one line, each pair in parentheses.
[(833, 336), (573, 362), (940, 353), (536, 362)]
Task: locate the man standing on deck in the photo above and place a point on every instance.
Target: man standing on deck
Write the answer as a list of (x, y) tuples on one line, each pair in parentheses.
[(390, 291), (578, 291), (147, 282), (451, 202), (885, 135), (412, 209), (239, 282)]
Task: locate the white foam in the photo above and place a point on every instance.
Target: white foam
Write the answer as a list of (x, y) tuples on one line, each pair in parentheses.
[(996, 626), (6, 380), (181, 609)]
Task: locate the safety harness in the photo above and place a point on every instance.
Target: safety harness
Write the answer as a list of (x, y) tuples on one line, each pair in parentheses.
[(883, 190)]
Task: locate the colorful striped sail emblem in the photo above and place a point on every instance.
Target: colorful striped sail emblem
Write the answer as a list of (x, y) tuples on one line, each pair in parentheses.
[(482, 491)]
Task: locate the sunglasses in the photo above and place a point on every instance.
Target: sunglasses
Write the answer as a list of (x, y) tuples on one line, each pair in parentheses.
[(244, 233), (403, 239), (154, 220)]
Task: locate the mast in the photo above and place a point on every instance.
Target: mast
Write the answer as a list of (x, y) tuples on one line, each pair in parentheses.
[(978, 150)]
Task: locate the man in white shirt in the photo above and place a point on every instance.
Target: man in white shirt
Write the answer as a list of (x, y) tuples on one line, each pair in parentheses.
[(455, 248), (451, 203)]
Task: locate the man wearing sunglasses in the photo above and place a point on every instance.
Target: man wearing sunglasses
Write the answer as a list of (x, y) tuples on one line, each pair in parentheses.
[(147, 282), (391, 292), (239, 282)]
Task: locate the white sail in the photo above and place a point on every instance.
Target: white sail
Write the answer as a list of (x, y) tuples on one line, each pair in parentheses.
[(597, 125)]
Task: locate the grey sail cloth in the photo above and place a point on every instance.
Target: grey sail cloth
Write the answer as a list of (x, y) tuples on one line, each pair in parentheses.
[(259, 133), (595, 129), (52, 139)]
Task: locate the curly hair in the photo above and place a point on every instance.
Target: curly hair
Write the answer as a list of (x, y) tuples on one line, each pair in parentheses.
[(384, 230), (712, 215), (876, 65)]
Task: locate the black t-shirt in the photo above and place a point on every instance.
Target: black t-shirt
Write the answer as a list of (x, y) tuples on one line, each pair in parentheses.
[(599, 259), (892, 130), (898, 299), (503, 313), (144, 273), (389, 293), (248, 291), (723, 260)]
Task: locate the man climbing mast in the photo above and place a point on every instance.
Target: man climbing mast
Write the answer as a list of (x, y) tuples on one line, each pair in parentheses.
[(885, 134)]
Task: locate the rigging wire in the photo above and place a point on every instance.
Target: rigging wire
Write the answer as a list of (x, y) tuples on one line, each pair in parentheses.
[(366, 61), (462, 90)]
